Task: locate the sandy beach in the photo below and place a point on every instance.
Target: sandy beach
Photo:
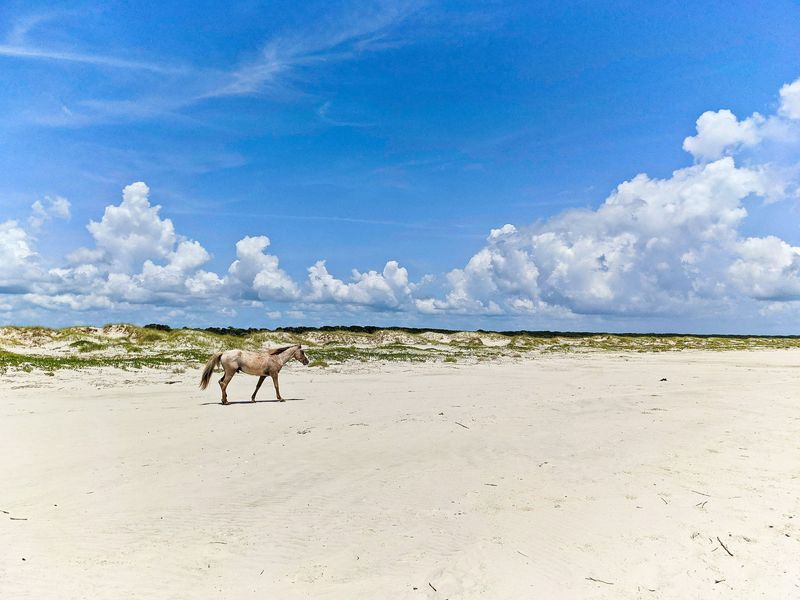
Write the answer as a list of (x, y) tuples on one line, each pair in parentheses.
[(606, 475)]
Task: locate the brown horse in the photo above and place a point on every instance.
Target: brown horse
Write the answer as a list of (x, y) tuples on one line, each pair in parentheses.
[(259, 364)]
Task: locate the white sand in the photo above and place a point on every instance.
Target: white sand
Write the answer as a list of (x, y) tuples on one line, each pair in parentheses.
[(568, 468)]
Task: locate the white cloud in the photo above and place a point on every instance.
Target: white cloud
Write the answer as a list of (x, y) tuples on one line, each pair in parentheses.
[(189, 255), (82, 256), (131, 232), (257, 274), (204, 283), (74, 302), (653, 246), (389, 289), (16, 247), (721, 131), (57, 207), (18, 259), (138, 258), (81, 278), (790, 100), (767, 269), (497, 271)]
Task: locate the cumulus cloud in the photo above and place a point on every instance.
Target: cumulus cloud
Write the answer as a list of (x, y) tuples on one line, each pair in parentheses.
[(790, 100), (204, 283), (654, 245), (73, 302), (18, 259), (767, 269), (257, 274), (58, 208), (138, 258), (15, 245), (721, 133), (131, 232), (389, 289)]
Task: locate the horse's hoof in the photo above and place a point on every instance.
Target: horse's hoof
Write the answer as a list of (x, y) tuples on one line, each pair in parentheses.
[(281, 400)]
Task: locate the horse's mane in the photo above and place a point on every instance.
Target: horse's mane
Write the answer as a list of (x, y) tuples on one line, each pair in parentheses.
[(279, 350)]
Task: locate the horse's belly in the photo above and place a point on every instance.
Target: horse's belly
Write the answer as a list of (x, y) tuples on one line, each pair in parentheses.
[(252, 371)]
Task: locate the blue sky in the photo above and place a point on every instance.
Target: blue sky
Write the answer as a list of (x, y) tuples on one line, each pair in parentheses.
[(362, 134)]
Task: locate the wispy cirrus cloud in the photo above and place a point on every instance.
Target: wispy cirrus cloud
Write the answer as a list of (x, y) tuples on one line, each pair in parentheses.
[(30, 52), (23, 25), (283, 59), (18, 45), (282, 67)]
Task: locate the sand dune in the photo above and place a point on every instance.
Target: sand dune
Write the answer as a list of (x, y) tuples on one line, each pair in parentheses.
[(577, 476)]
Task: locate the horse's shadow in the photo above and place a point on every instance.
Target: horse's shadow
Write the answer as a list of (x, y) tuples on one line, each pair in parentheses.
[(231, 402)]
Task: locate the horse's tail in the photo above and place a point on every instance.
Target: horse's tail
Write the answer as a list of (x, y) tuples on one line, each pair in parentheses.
[(212, 364)]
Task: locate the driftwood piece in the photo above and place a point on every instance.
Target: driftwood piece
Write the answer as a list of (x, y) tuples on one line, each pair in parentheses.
[(599, 581), (724, 547)]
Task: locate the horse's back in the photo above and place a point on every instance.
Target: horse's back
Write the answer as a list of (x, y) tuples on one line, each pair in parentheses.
[(244, 360)]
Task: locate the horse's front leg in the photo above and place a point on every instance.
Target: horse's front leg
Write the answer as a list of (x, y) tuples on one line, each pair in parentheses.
[(258, 385), (277, 389)]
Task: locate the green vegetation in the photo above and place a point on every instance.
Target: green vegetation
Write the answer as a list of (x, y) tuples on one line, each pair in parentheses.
[(29, 362), (130, 347), (86, 345)]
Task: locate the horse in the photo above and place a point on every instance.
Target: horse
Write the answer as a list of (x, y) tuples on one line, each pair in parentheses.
[(259, 364)]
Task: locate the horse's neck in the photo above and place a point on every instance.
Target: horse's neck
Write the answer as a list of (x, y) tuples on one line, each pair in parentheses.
[(284, 356)]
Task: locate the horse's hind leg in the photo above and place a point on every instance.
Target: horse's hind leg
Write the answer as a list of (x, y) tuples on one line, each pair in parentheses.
[(258, 385), (224, 381)]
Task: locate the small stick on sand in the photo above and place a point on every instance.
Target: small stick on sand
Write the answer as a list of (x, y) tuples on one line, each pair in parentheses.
[(17, 519), (599, 581), (433, 588), (464, 426), (724, 547), (701, 493)]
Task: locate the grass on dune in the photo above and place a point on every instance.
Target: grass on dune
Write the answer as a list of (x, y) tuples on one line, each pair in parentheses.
[(130, 347)]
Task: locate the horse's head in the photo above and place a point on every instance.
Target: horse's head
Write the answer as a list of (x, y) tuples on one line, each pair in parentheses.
[(300, 355)]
